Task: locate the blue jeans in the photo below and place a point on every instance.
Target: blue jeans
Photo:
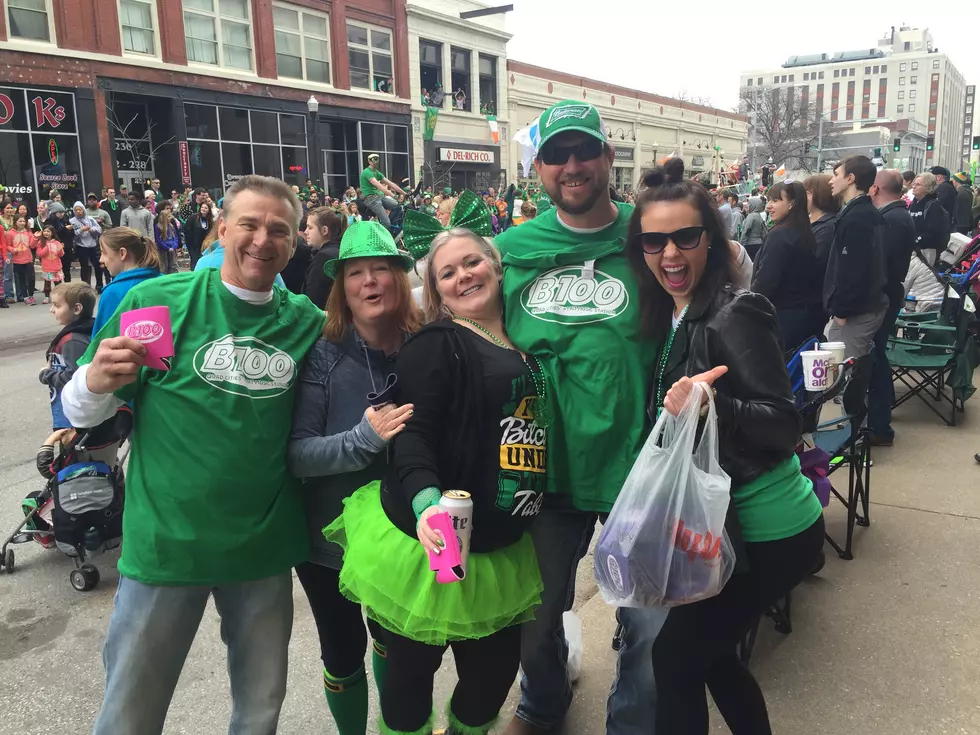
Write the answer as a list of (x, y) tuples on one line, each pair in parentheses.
[(151, 631), (881, 390), (8, 279), (379, 206), (561, 539)]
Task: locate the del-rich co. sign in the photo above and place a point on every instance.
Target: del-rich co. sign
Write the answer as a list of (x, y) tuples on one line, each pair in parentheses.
[(464, 155)]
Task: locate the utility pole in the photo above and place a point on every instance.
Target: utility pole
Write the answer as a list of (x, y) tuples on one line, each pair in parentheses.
[(820, 143)]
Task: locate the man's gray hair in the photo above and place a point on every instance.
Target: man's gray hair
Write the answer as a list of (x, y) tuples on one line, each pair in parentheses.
[(265, 186), (929, 182)]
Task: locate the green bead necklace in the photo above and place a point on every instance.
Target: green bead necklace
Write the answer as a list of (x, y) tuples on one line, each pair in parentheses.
[(664, 355), (541, 412)]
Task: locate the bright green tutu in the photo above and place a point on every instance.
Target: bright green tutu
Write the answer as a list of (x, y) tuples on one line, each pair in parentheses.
[(388, 573)]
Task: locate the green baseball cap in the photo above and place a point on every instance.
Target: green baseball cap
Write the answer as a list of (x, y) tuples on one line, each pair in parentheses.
[(570, 115), (367, 239)]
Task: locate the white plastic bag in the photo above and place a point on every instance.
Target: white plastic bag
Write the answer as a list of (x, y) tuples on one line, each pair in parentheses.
[(573, 637), (664, 543)]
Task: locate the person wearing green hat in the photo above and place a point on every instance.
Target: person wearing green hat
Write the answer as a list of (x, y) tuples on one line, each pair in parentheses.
[(963, 204), (378, 191), (571, 300), (480, 412), (339, 440)]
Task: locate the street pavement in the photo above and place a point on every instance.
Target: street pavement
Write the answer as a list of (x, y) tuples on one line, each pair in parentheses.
[(886, 643)]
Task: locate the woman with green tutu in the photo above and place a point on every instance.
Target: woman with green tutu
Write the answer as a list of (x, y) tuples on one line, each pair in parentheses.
[(479, 410), (341, 429)]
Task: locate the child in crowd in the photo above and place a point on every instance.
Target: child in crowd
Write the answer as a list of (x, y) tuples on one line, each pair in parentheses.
[(49, 250), (72, 305), (21, 244), (4, 258), (42, 501)]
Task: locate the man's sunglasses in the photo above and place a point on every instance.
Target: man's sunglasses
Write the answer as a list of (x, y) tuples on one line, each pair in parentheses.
[(686, 238), (558, 155)]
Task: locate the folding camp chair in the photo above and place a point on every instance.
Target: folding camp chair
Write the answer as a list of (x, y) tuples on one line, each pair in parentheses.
[(925, 357)]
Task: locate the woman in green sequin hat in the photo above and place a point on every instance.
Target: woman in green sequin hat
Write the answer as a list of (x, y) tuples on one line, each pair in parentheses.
[(479, 425)]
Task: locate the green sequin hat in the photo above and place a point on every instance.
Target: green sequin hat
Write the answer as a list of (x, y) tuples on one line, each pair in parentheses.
[(367, 239)]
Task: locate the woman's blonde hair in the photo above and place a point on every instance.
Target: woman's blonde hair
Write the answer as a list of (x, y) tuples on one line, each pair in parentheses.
[(165, 221), (340, 317), (210, 240), (433, 307), (144, 253), (929, 182)]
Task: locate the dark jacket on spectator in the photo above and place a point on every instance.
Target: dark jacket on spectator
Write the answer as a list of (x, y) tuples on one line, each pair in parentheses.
[(931, 227), (823, 235), (898, 242), (946, 193), (316, 284), (963, 210), (114, 209), (855, 279), (294, 273)]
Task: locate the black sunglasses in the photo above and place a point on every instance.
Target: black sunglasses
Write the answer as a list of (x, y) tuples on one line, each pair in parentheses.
[(686, 238), (558, 155)]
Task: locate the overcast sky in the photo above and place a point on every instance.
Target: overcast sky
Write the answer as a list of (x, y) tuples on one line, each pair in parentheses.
[(701, 47)]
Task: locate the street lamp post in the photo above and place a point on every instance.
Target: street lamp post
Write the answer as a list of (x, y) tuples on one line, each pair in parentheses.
[(313, 105)]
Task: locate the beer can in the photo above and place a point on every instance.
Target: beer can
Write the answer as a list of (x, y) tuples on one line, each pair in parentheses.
[(459, 505)]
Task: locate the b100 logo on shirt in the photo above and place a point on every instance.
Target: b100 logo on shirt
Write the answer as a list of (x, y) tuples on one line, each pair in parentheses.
[(246, 366), (144, 331), (566, 296)]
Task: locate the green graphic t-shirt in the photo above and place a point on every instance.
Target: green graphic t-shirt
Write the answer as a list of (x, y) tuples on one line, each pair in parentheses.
[(367, 188), (571, 300), (208, 498)]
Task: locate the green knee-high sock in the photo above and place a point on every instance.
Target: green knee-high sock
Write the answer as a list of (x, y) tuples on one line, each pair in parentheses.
[(458, 728), (379, 664), (348, 701)]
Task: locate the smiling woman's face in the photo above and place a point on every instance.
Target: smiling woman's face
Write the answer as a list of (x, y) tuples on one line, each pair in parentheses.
[(369, 286), (466, 280)]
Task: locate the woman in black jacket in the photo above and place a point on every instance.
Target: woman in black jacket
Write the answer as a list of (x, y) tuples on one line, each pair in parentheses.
[(196, 230), (931, 220), (786, 268), (714, 333), (823, 207), (478, 426)]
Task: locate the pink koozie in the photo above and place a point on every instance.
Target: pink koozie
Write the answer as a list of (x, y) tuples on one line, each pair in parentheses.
[(448, 564), (151, 326)]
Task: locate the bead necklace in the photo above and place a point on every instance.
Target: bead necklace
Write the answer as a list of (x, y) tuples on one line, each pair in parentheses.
[(665, 353), (541, 412)]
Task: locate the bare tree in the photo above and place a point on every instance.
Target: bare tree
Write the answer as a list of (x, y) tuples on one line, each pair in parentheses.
[(785, 125), (695, 99), (138, 146)]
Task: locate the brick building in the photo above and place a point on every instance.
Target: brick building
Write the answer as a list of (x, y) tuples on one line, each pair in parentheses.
[(102, 92)]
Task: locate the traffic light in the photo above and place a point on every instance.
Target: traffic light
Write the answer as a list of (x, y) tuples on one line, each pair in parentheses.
[(930, 143), (897, 145), (976, 142)]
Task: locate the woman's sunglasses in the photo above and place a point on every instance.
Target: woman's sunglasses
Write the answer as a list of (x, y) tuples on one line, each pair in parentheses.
[(558, 155), (686, 238)]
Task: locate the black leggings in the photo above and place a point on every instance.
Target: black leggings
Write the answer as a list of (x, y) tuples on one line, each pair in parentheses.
[(88, 260), (24, 280), (486, 669), (697, 645), (339, 623)]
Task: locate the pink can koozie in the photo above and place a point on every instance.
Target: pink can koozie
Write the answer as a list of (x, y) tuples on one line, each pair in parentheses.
[(448, 564), (151, 326)]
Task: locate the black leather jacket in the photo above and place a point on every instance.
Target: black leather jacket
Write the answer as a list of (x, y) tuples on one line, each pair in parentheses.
[(758, 423)]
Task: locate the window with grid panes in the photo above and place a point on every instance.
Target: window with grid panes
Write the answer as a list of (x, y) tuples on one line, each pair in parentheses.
[(370, 59), (302, 43), (219, 32), (136, 18)]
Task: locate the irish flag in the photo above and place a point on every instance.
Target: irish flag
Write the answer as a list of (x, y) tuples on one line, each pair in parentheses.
[(494, 130), (781, 171)]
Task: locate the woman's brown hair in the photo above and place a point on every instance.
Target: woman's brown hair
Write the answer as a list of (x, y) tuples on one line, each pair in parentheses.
[(328, 217), (340, 318), (144, 253), (823, 197), (667, 184)]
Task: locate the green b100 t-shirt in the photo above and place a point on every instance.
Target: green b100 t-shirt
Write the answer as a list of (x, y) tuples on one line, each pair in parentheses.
[(208, 497), (367, 188)]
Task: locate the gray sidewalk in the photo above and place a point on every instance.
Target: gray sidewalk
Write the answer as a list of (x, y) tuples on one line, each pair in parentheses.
[(886, 643)]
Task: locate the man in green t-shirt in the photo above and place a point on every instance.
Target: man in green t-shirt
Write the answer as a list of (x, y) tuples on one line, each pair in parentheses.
[(571, 299), (210, 506), (378, 192)]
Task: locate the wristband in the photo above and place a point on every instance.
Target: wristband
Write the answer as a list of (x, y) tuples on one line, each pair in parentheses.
[(425, 499)]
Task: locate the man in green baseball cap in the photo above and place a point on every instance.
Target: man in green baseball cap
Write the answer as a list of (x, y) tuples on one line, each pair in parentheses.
[(379, 191), (367, 239)]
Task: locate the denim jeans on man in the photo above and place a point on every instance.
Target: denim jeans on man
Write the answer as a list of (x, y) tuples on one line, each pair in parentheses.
[(379, 206), (881, 391), (561, 539), (151, 631)]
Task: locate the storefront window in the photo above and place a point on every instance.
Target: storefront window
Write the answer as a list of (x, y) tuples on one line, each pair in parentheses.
[(293, 130), (234, 123), (265, 127), (205, 159), (267, 160), (38, 144), (202, 121), (294, 169)]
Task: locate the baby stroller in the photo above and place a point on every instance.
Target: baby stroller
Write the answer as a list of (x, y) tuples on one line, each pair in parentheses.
[(79, 512)]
